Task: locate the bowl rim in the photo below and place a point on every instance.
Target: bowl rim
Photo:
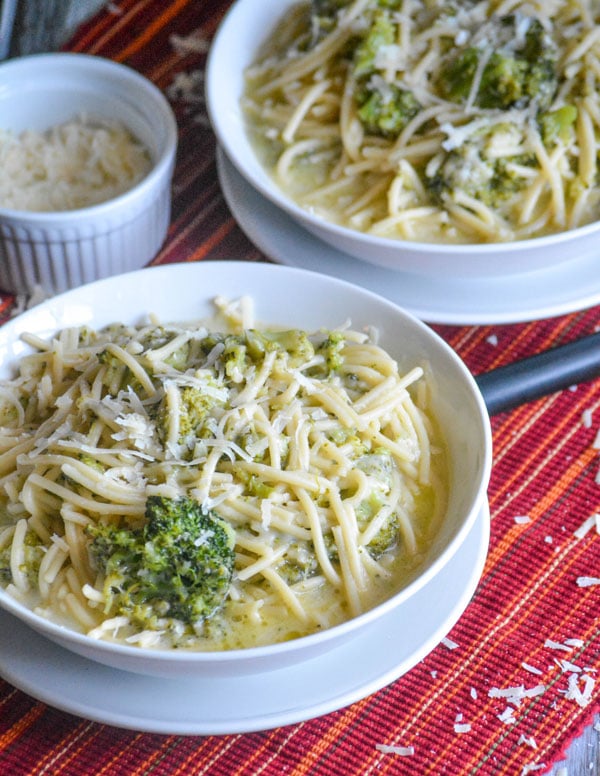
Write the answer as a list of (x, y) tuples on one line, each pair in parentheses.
[(164, 273), (220, 120), (96, 64)]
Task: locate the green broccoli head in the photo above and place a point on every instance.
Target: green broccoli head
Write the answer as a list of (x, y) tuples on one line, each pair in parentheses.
[(383, 108), (386, 109), (515, 74), (250, 348), (294, 342), (477, 169), (557, 126), (179, 565)]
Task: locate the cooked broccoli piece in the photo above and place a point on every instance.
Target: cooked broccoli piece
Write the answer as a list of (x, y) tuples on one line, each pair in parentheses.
[(324, 13), (34, 553), (179, 565), (331, 348), (387, 110), (514, 75), (194, 407), (381, 33), (294, 342), (383, 108), (557, 125), (299, 563), (378, 467), (476, 169), (250, 348)]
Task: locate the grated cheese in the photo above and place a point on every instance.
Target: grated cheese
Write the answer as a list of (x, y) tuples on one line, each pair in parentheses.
[(522, 519), (507, 716), (463, 727), (566, 667), (580, 689), (516, 695), (403, 751), (588, 581), (557, 645), (73, 165), (527, 741), (449, 644), (586, 526), (531, 669)]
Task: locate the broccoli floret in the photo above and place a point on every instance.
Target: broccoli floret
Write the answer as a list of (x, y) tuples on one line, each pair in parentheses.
[(503, 82), (383, 108), (457, 77), (194, 407), (298, 564), (387, 109), (332, 348), (294, 342), (381, 33), (378, 467), (476, 169), (557, 125), (250, 348), (513, 76), (179, 565), (34, 552)]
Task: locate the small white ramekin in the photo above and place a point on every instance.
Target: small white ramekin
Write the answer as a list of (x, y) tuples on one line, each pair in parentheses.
[(56, 251)]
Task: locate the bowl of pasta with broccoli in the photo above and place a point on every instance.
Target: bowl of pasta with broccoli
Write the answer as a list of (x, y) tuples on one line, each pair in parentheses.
[(231, 477), (444, 137)]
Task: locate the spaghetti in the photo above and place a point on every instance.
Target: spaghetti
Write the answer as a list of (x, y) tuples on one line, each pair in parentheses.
[(316, 450), (442, 122)]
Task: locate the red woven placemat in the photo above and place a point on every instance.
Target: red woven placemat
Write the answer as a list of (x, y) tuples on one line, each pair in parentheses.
[(515, 682)]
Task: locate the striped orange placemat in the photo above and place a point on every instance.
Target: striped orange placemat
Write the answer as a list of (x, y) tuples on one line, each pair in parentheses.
[(516, 678)]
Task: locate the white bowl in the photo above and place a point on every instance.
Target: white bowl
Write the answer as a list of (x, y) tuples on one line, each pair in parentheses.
[(235, 46), (61, 250), (295, 298)]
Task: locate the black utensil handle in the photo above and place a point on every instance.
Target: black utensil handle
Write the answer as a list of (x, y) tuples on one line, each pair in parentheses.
[(542, 374)]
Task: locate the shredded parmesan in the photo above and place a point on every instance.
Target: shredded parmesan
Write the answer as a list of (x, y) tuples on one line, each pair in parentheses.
[(73, 165), (402, 751), (587, 525), (522, 519), (449, 644), (588, 581), (580, 689)]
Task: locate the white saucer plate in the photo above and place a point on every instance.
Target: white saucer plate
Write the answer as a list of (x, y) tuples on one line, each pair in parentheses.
[(207, 706), (565, 288)]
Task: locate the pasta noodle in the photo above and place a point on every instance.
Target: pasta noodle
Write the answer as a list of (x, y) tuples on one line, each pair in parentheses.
[(316, 450), (443, 122)]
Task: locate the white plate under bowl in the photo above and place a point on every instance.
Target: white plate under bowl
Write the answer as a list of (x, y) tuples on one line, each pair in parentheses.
[(222, 705), (442, 299)]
